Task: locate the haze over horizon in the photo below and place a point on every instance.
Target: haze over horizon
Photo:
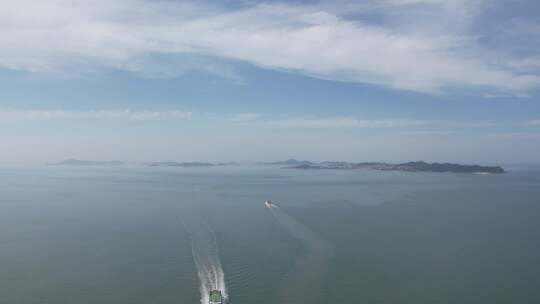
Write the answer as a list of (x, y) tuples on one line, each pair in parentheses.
[(269, 151), (388, 80)]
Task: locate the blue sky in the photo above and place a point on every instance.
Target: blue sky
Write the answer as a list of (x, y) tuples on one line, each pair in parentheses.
[(387, 80)]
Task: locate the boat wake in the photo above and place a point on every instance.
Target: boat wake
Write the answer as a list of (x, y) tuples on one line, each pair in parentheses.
[(205, 252), (295, 228), (306, 277)]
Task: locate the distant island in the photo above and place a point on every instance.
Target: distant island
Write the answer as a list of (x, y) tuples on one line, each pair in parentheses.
[(79, 162), (417, 166), (288, 162), (183, 164), (228, 164)]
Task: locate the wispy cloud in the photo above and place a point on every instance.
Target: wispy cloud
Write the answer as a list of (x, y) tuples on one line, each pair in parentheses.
[(515, 135), (342, 122), (529, 63), (15, 115), (474, 124), (332, 123), (431, 132), (506, 95), (317, 40), (287, 122), (244, 117), (532, 122)]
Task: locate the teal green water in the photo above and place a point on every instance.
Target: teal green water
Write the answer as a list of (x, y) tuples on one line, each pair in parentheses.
[(122, 235)]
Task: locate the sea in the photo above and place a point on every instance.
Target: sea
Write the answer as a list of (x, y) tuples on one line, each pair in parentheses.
[(168, 235)]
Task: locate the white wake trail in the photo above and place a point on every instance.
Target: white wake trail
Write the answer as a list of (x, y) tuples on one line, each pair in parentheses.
[(204, 248), (295, 228), (303, 282)]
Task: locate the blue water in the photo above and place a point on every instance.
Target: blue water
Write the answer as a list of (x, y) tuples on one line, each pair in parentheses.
[(126, 235)]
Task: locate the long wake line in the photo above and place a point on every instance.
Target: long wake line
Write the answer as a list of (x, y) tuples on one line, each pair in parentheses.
[(204, 248), (305, 279)]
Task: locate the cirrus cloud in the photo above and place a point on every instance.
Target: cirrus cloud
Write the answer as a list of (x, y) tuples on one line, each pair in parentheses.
[(315, 40), (532, 122), (343, 122), (16, 115)]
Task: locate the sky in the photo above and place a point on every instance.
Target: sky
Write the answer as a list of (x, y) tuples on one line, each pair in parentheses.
[(374, 80)]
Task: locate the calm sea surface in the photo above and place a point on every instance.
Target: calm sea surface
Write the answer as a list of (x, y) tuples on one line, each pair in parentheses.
[(115, 235)]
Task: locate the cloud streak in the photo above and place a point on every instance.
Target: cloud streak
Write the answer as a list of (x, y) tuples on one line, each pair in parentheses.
[(515, 135), (336, 123), (255, 120), (244, 117), (317, 40), (532, 122), (17, 115)]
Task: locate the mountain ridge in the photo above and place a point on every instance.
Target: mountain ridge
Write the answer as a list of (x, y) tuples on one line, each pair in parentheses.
[(414, 166)]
